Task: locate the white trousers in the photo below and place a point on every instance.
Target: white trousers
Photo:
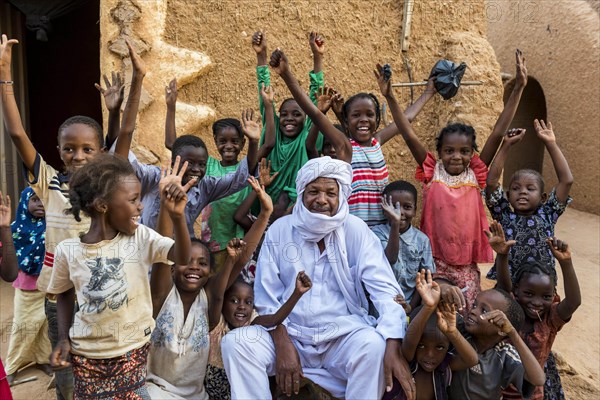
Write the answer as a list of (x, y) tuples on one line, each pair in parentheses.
[(350, 366)]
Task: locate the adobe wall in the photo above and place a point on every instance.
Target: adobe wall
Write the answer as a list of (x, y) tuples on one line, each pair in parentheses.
[(209, 51), (561, 41)]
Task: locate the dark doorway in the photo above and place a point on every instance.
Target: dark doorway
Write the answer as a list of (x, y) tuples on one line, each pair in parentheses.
[(61, 74), (529, 153)]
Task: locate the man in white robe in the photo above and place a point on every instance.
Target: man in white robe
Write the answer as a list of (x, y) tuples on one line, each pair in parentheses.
[(329, 336)]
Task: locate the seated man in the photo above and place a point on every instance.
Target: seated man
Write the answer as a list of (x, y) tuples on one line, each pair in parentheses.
[(328, 337)]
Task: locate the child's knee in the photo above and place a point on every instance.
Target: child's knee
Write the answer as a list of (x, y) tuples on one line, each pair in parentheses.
[(242, 340)]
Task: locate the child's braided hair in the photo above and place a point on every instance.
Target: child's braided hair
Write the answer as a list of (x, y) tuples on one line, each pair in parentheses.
[(461, 129), (97, 179), (358, 96)]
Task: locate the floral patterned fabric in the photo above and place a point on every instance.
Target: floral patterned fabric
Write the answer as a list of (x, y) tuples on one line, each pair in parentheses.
[(529, 231), (119, 378)]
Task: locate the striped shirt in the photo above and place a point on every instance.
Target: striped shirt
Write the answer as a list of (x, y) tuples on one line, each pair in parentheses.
[(369, 177)]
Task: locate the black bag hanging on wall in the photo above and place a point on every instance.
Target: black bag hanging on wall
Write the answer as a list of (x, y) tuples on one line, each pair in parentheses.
[(447, 77)]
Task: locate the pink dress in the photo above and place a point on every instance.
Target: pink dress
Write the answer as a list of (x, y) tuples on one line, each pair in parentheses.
[(454, 219)]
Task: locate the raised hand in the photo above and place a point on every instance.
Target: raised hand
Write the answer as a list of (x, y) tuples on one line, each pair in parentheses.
[(337, 103), (235, 248), (279, 62), (171, 94), (428, 289), (114, 92), (250, 128), (446, 318), (514, 135), (393, 212), (317, 43), (264, 173), (325, 98), (5, 217), (268, 94), (497, 239), (385, 85), (266, 204), (169, 185), (499, 319), (544, 132), (560, 249), (259, 42), (521, 74), (303, 282), (139, 66), (6, 45)]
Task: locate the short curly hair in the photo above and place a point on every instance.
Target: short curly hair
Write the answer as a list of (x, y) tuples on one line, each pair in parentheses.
[(97, 179), (82, 119), (185, 141)]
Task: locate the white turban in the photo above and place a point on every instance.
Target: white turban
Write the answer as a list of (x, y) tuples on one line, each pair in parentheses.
[(314, 227)]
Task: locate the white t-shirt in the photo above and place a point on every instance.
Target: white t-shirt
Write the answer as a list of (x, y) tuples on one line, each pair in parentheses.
[(113, 292)]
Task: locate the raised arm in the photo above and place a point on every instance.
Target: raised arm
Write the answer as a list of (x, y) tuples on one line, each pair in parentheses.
[(254, 235), (495, 172), (12, 118), (412, 141), (508, 113), (264, 179), (171, 100), (430, 295), (317, 46), (251, 130), (259, 45), (465, 355), (113, 98), (343, 148), (411, 112), (533, 372), (268, 97), (324, 99), (393, 213), (563, 172), (133, 103), (9, 264), (303, 285), (572, 299), (501, 246), (217, 285)]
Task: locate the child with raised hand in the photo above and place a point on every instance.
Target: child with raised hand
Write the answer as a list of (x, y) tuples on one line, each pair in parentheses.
[(79, 139), (407, 249), (106, 270), (326, 96), (113, 98), (289, 150), (453, 216), (534, 289), (494, 317), (526, 212), (29, 337), (431, 331), (235, 308), (8, 271)]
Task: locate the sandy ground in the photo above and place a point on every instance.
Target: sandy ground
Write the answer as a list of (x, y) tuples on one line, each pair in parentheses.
[(577, 345)]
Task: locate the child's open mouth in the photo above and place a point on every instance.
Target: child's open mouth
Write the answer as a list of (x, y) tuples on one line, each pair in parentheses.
[(192, 278)]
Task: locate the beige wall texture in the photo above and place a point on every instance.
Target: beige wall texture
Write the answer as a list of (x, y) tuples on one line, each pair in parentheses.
[(207, 46), (560, 40)]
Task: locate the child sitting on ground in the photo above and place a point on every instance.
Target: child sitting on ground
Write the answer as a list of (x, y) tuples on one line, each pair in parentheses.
[(407, 249), (238, 311), (453, 215), (187, 304), (534, 289), (427, 340), (527, 214)]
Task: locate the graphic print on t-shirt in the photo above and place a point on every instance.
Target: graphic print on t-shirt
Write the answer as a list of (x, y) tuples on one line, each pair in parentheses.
[(107, 286)]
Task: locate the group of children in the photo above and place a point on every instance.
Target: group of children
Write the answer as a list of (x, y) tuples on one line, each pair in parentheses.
[(115, 333)]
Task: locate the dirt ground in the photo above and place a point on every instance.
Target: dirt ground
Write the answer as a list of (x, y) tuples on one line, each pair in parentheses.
[(577, 345)]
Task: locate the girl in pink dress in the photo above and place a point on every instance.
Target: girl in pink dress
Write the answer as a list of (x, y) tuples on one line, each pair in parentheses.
[(453, 216)]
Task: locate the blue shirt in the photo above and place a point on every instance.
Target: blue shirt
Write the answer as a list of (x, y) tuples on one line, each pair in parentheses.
[(414, 255), (208, 189)]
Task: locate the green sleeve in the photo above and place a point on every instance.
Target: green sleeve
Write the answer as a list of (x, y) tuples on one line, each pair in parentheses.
[(317, 79)]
